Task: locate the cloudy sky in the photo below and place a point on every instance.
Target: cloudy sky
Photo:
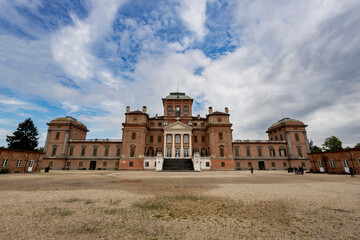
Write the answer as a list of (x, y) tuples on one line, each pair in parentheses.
[(90, 59)]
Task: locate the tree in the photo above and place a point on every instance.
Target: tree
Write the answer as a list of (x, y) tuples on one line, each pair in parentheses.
[(357, 146), (332, 144), (25, 137), (314, 148)]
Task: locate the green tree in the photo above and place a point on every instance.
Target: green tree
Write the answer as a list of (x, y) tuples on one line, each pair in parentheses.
[(357, 146), (314, 148), (332, 144), (25, 137)]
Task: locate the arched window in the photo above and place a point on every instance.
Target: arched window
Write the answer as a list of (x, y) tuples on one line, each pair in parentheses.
[(177, 152), (169, 111), (177, 111), (132, 150), (195, 150), (203, 152), (151, 152), (186, 111), (222, 154), (186, 152), (168, 152), (158, 150)]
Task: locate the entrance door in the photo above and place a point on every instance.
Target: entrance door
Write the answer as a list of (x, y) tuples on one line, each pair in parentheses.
[(31, 164), (346, 166), (261, 165), (321, 166), (92, 165)]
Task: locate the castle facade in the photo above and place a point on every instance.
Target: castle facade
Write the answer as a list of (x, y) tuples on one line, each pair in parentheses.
[(175, 140)]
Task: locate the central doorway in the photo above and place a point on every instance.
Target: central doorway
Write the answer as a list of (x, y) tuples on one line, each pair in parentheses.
[(261, 165), (92, 165)]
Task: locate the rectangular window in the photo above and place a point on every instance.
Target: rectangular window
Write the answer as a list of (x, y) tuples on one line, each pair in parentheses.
[(238, 164), (168, 138), (195, 124), (303, 164), (53, 153), (177, 138), (106, 153), (249, 164), (276, 138), (332, 163), (284, 164), (94, 151), (248, 153), (222, 152), (51, 164), (186, 138), (71, 151), (259, 152), (19, 162), (219, 119), (104, 164), (118, 151), (202, 139), (297, 137), (272, 152), (133, 135), (299, 151), (68, 164), (237, 152), (281, 137), (220, 136), (146, 164), (57, 136), (131, 164), (83, 149), (271, 138), (168, 152), (273, 164), (195, 139), (159, 139), (207, 164), (222, 164), (151, 139), (160, 124), (81, 164)]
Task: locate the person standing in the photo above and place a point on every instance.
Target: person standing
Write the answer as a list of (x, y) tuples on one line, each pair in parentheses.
[(252, 170), (351, 170)]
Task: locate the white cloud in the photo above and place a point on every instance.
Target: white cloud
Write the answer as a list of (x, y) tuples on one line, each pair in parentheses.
[(193, 15)]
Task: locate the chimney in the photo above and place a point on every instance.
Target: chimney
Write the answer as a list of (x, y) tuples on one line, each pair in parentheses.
[(210, 110), (144, 109), (127, 109), (156, 116), (226, 110)]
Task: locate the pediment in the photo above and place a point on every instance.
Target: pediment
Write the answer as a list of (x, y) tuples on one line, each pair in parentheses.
[(177, 126)]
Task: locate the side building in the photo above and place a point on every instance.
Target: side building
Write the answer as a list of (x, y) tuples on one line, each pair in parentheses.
[(20, 161), (175, 139)]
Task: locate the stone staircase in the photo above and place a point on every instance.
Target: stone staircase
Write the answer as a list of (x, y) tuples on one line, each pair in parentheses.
[(181, 164)]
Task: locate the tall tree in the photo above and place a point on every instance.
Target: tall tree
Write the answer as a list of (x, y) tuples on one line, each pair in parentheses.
[(332, 144), (314, 148), (357, 146), (25, 137)]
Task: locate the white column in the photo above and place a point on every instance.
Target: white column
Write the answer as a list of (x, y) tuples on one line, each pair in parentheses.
[(190, 145), (182, 145), (173, 145), (164, 150)]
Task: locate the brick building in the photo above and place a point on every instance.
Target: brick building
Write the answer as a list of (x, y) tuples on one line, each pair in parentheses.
[(175, 140), (20, 161), (336, 161)]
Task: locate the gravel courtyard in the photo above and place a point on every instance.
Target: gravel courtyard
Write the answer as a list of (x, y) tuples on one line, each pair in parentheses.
[(179, 205)]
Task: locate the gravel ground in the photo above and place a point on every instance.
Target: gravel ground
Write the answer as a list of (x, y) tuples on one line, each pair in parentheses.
[(179, 205)]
